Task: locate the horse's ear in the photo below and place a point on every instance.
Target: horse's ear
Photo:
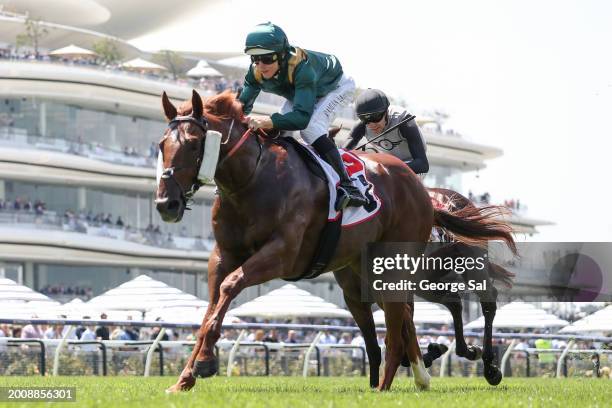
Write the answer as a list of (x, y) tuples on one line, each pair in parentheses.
[(169, 109), (196, 105)]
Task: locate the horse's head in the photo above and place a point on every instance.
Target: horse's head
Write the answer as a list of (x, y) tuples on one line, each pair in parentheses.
[(188, 154)]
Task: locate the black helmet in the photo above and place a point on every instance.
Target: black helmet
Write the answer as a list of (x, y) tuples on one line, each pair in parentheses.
[(371, 104)]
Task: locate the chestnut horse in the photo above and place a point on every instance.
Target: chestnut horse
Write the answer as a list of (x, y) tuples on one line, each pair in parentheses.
[(268, 215)]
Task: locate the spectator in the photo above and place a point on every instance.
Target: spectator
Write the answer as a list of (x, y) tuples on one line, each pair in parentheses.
[(272, 337), (102, 331), (328, 338), (291, 337), (31, 331), (119, 222), (345, 338)]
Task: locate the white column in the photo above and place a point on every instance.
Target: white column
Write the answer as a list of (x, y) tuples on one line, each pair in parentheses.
[(43, 119), (82, 199)]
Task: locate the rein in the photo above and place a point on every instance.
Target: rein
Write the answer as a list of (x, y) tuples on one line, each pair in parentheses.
[(408, 119), (168, 173)]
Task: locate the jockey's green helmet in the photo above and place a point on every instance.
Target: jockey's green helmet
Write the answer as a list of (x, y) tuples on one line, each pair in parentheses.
[(266, 38)]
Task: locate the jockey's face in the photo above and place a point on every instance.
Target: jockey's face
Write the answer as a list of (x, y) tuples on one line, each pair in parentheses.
[(377, 127), (267, 70)]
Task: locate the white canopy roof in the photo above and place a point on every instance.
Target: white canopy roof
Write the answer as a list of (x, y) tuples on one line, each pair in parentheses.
[(11, 291), (600, 321), (193, 315), (289, 301), (424, 312), (72, 51), (144, 293), (139, 64), (202, 69), (518, 315)]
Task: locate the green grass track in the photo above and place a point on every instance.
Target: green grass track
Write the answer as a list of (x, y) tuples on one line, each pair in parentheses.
[(321, 392)]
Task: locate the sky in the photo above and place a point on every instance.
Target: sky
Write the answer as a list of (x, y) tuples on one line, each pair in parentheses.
[(533, 78)]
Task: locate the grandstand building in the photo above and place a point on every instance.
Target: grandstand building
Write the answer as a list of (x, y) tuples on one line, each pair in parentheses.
[(77, 155)]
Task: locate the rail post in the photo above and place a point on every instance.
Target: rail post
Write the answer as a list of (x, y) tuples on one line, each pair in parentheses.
[(561, 362), (151, 350), (309, 352), (233, 351), (446, 359), (59, 348)]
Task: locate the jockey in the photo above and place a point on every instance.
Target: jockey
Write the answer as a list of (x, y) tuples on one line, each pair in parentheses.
[(314, 87), (376, 115)]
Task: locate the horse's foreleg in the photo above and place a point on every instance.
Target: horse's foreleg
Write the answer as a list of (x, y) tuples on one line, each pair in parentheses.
[(394, 320), (489, 306), (267, 264), (218, 268)]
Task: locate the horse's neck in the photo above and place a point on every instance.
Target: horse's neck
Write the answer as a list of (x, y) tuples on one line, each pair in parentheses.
[(237, 171)]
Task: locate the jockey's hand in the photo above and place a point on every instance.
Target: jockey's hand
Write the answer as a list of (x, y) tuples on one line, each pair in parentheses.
[(260, 122)]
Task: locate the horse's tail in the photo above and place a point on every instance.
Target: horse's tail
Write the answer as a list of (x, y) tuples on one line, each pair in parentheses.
[(500, 273), (476, 225)]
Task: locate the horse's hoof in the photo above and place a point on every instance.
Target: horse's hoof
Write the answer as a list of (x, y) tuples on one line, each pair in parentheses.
[(434, 351), (183, 384), (474, 353), (205, 368), (493, 375), (405, 361)]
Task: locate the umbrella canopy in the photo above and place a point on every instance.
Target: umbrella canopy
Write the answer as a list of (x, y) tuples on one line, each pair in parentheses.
[(600, 321), (143, 293), (289, 301), (77, 309), (518, 315), (424, 312), (193, 315), (73, 51), (138, 64), (11, 291), (203, 70)]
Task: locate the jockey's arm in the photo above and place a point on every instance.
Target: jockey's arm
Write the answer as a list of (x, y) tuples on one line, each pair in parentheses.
[(249, 92), (357, 133), (410, 131), (303, 102)]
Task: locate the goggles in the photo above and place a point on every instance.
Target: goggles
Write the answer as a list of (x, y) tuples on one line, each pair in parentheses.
[(264, 59), (372, 117)]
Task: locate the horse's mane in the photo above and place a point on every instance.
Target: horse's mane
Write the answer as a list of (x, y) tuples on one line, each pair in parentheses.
[(223, 106)]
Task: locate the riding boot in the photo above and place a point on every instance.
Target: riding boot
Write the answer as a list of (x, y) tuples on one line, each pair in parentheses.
[(348, 194)]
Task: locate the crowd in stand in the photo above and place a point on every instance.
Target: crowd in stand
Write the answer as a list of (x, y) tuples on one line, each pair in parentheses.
[(485, 198), (66, 290), (81, 222)]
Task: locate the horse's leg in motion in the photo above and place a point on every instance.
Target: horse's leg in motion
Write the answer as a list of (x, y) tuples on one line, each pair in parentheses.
[(362, 313), (218, 268), (400, 339), (270, 262), (489, 307), (453, 304)]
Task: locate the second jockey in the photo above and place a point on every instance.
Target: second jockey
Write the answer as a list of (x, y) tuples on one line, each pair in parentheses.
[(315, 88)]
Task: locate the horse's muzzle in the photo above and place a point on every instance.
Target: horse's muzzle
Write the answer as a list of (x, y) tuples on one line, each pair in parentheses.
[(170, 210)]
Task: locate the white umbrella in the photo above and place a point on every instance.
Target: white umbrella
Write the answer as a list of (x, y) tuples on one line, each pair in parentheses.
[(600, 321), (193, 315), (11, 291), (518, 315), (143, 293), (73, 51), (138, 64), (203, 70), (289, 301), (424, 312)]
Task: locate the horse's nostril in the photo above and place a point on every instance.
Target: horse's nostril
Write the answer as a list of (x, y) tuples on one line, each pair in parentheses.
[(173, 205)]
